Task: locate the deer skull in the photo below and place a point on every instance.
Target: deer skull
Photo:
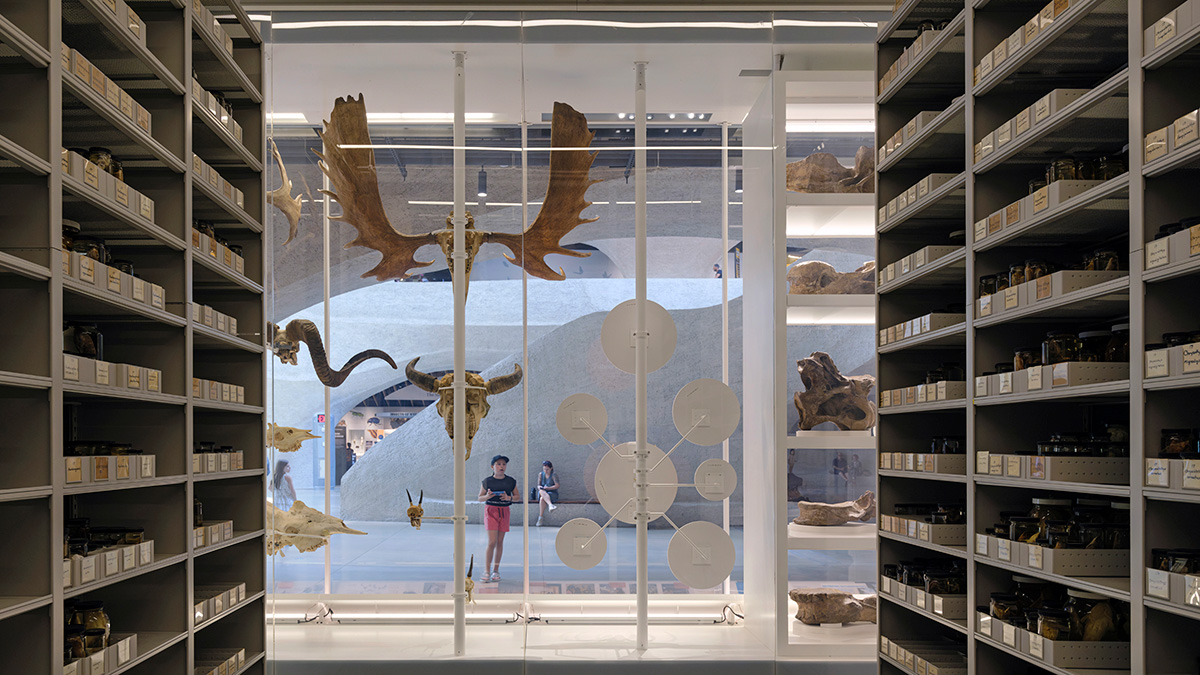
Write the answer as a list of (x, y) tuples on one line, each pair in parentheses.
[(477, 394), (303, 527), (415, 512), (287, 439)]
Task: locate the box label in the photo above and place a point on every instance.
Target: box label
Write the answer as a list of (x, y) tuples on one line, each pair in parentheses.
[(133, 377), (112, 563), (1158, 472), (96, 664), (1012, 466), (1004, 549), (1157, 253), (123, 468), (1035, 556), (99, 82), (1023, 122), (1191, 591), (1156, 363), (102, 372), (985, 66), (1059, 377), (985, 305), (1185, 129), (982, 461), (1158, 584), (1000, 53), (1164, 29), (127, 105), (1012, 214), (152, 383), (1156, 144), (1037, 467), (1009, 634), (114, 280), (1011, 297), (129, 556), (1004, 134), (1191, 357), (99, 468), (938, 605), (981, 386), (1035, 645), (87, 569), (156, 296), (1006, 386), (1034, 378), (1041, 109), (122, 194), (1044, 287), (91, 174), (1041, 200), (995, 465), (1016, 41), (981, 229), (1194, 240), (1191, 474), (123, 651), (74, 469), (146, 207), (71, 367), (139, 290), (995, 222)]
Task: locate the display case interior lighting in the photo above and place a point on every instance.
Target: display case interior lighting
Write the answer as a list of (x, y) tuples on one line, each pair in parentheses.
[(737, 180), (831, 127), (287, 118), (831, 221), (427, 118), (832, 316), (482, 182)]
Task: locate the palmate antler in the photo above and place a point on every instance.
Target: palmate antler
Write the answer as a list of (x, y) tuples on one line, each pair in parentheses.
[(281, 197), (564, 201), (351, 172), (355, 184)]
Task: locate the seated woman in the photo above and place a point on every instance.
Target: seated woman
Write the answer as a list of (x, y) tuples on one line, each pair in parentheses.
[(547, 487)]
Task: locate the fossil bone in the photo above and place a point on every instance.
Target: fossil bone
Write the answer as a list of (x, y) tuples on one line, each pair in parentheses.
[(415, 511), (281, 197), (821, 173), (830, 396), (827, 605), (287, 439), (818, 513), (813, 277), (355, 186), (469, 583), (286, 344), (477, 394), (303, 527)]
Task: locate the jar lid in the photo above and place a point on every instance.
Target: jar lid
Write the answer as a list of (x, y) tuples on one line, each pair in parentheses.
[(95, 631), (1120, 327), (1152, 346), (1004, 368), (1085, 595), (69, 224), (1044, 501), (1028, 580), (1094, 334), (1060, 333)]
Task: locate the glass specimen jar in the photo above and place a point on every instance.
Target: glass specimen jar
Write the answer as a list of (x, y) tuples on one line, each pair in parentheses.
[(93, 615), (954, 372), (1117, 350), (74, 647), (1054, 624), (1117, 536), (1025, 357), (95, 640), (987, 285), (1063, 168), (1016, 274), (1031, 591), (1024, 528), (101, 157), (1036, 184), (1105, 260), (1059, 347), (1093, 345), (1120, 513), (1036, 269), (1001, 282), (1108, 168), (1058, 532), (70, 230), (1086, 610), (944, 582), (91, 247), (1006, 607), (1045, 508), (125, 266)]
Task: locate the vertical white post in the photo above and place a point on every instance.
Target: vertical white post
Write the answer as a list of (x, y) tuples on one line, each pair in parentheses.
[(641, 453), (725, 301), (459, 276), (525, 342), (328, 432)]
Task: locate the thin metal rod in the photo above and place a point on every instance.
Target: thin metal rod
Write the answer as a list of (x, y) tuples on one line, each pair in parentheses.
[(525, 339), (725, 304), (641, 452), (681, 440), (610, 520), (610, 445), (685, 537), (328, 432), (459, 221)]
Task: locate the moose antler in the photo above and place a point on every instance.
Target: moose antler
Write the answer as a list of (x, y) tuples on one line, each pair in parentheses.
[(281, 197), (564, 202), (302, 330), (355, 184)]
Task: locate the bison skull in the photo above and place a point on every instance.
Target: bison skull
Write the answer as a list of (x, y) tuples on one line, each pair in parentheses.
[(477, 394)]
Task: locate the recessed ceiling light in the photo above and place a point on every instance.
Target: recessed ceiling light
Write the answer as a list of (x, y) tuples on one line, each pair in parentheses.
[(691, 116), (672, 116), (620, 116)]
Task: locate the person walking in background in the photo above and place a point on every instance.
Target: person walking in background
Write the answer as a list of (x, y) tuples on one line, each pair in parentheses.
[(498, 491), (282, 491), (855, 469), (547, 490)]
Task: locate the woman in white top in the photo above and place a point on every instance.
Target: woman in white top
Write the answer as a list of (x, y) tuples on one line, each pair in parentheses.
[(282, 489)]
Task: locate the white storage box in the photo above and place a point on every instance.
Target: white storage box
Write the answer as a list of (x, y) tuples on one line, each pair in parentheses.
[(1076, 373), (1055, 101), (1161, 32)]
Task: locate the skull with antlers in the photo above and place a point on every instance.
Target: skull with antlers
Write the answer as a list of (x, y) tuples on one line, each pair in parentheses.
[(477, 394), (415, 512)]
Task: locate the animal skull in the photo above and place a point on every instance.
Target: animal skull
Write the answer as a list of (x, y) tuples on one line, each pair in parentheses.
[(303, 527), (477, 394), (287, 439), (286, 344), (415, 512)]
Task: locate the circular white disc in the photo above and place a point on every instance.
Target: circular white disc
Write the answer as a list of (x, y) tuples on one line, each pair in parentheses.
[(576, 409), (715, 479), (708, 405), (614, 482), (572, 545), (616, 336), (706, 567)]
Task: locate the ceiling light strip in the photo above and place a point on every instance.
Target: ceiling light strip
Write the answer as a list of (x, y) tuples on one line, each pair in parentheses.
[(409, 146)]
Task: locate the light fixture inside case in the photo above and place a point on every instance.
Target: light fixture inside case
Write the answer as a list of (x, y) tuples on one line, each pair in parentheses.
[(737, 180), (482, 182)]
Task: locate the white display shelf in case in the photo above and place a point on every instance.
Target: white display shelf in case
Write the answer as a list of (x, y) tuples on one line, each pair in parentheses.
[(797, 216), (148, 57)]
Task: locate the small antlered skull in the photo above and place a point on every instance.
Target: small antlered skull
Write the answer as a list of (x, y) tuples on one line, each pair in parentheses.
[(415, 512)]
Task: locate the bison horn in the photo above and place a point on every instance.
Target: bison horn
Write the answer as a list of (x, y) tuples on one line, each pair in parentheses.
[(307, 331), (423, 381), (501, 384), (409, 496)]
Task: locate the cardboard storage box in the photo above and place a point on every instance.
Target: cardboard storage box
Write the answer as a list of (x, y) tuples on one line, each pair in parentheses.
[(1159, 143), (916, 124), (1058, 284), (1076, 373), (932, 182), (1059, 192), (1171, 25), (1055, 101)]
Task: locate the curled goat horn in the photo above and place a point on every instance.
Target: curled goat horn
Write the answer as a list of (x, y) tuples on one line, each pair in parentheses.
[(307, 331), (502, 383), (423, 381)]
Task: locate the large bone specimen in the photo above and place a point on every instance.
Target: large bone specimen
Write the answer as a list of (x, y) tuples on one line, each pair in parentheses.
[(287, 439), (829, 396), (813, 277), (349, 162), (821, 173), (281, 197), (818, 513), (286, 344), (303, 527), (478, 391), (826, 605)]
